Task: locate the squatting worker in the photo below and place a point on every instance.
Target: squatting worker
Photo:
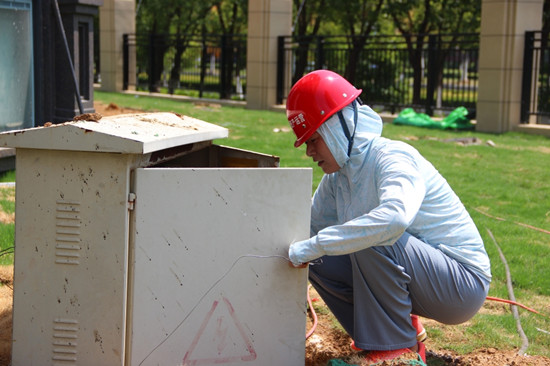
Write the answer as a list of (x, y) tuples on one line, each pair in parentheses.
[(393, 239)]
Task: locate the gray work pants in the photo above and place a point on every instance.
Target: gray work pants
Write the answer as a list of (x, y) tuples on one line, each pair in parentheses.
[(373, 292)]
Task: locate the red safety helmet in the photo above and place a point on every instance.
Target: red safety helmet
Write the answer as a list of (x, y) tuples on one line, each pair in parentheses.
[(314, 98)]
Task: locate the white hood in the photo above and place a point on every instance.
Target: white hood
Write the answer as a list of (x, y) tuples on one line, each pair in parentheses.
[(369, 126)]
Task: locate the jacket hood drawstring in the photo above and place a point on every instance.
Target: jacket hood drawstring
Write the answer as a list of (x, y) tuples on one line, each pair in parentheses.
[(345, 126), (337, 131)]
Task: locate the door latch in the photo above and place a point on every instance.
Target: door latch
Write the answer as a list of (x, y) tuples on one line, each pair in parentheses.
[(131, 201)]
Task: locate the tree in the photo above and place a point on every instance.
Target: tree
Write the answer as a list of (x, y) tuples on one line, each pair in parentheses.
[(412, 20), (232, 19), (415, 19), (358, 18), (151, 23), (453, 19), (187, 18), (159, 18), (309, 15)]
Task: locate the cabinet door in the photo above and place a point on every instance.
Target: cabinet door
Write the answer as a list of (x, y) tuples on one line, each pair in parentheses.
[(210, 282)]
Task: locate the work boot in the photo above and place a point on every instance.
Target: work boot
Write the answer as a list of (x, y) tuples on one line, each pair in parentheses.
[(405, 356), (421, 334)]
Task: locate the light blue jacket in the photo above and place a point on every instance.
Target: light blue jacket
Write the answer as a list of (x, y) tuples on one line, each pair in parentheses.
[(383, 189)]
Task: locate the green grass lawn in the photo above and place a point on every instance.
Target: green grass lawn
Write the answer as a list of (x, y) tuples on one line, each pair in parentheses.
[(7, 229), (504, 185)]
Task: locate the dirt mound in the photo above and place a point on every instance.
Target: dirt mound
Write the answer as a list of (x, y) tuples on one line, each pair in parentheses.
[(112, 109)]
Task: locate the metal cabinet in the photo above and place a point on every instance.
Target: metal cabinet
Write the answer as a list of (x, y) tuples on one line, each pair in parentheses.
[(140, 242)]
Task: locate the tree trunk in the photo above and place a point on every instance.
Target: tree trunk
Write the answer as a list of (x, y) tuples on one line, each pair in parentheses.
[(173, 84), (301, 58), (158, 47), (354, 57)]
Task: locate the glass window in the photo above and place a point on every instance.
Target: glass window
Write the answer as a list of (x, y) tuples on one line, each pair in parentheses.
[(16, 65)]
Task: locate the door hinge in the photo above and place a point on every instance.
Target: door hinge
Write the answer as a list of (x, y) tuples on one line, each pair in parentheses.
[(131, 201)]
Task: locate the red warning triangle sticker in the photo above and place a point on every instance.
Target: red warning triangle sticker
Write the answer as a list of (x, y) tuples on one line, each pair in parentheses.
[(222, 346)]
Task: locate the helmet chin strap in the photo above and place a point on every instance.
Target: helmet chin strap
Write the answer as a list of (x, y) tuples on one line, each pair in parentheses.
[(344, 125)]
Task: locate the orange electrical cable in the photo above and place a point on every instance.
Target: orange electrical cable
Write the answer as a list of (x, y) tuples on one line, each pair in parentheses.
[(514, 303), (313, 315), (491, 298)]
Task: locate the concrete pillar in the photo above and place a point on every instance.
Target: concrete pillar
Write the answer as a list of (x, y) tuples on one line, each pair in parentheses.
[(503, 26), (267, 19), (116, 17)]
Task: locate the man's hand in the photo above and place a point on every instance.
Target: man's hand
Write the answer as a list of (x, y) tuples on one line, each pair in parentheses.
[(295, 264), (298, 265)]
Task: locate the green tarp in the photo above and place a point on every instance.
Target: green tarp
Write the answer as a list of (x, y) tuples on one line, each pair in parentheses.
[(456, 120)]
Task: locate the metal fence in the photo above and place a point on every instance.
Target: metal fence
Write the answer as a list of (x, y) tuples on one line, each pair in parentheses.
[(208, 65), (535, 96), (433, 73)]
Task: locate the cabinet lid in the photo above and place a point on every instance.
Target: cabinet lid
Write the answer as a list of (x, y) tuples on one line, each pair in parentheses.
[(129, 133)]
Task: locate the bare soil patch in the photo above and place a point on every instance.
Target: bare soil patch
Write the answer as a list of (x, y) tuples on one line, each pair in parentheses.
[(329, 342), (6, 300)]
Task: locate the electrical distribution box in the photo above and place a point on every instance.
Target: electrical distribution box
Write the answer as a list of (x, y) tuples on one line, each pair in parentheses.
[(140, 242)]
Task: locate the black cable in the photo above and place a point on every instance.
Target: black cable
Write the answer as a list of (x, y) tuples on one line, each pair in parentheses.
[(524, 340), (62, 30), (6, 251)]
